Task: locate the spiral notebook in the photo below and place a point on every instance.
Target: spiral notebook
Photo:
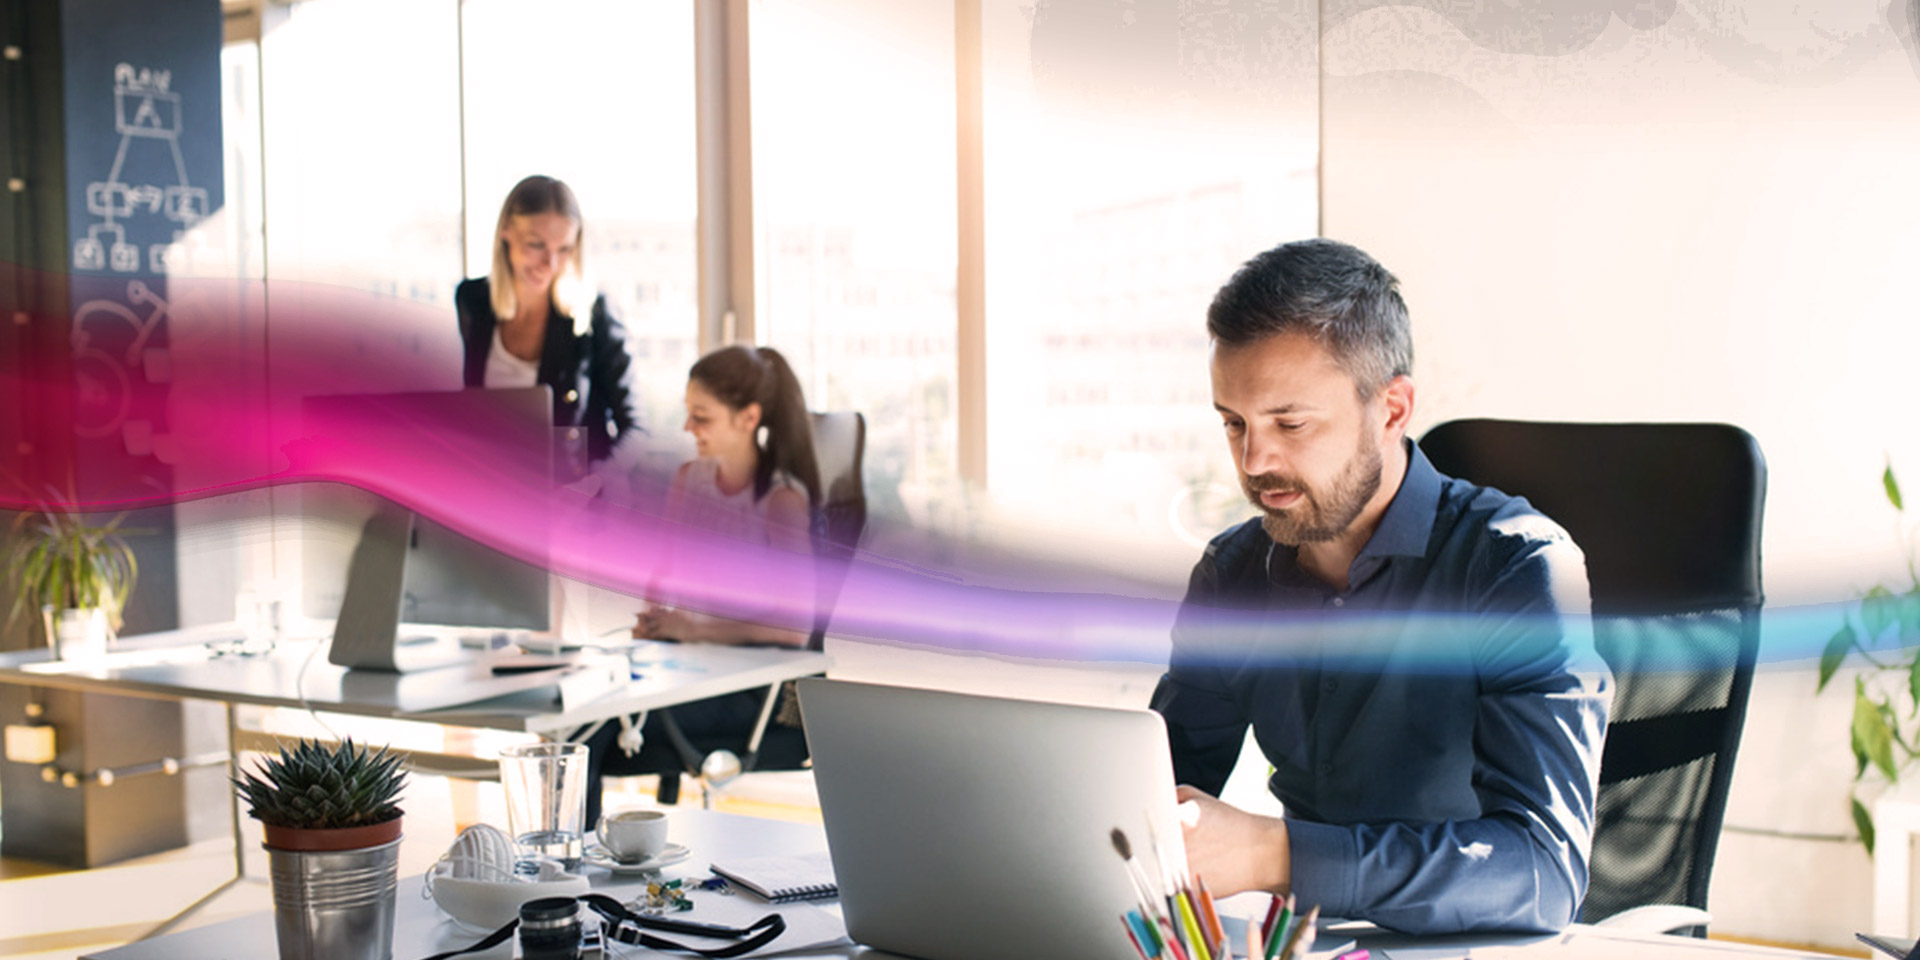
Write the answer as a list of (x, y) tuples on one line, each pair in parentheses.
[(783, 879)]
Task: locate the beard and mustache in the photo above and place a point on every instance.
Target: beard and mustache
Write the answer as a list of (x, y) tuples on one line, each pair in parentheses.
[(1321, 514)]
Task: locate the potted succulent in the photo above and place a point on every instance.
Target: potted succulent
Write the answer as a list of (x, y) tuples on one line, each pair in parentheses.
[(77, 573), (333, 847)]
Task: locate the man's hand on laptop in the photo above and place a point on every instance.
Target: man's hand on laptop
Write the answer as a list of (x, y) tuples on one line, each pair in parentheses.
[(1233, 850)]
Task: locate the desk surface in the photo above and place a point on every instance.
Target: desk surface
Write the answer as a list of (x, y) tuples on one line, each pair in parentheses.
[(178, 665), (421, 930)]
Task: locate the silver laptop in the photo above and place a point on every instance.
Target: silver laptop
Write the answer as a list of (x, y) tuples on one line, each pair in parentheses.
[(964, 827)]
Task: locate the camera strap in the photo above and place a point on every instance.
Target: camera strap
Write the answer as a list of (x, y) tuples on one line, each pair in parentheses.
[(626, 926)]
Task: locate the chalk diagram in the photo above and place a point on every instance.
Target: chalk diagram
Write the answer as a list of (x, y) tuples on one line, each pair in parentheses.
[(103, 393), (144, 109)]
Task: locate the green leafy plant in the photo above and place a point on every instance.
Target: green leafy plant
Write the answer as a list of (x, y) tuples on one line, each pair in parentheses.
[(1883, 630), (319, 786), (59, 559)]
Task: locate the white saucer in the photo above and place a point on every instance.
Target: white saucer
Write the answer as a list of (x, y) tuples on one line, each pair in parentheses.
[(599, 856)]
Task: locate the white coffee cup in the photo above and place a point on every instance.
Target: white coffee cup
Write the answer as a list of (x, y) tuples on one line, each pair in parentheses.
[(633, 835)]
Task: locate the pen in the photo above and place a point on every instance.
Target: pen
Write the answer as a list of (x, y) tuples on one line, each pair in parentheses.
[(1301, 932)]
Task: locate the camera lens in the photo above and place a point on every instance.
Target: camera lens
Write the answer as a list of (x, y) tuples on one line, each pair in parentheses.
[(550, 929)]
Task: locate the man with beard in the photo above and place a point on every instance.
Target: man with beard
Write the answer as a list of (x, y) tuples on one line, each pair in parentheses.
[(1410, 650)]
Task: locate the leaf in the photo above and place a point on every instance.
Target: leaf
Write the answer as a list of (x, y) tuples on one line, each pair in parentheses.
[(1863, 823), (1893, 487), (1836, 651), (1872, 738), (1913, 683), (1877, 612)]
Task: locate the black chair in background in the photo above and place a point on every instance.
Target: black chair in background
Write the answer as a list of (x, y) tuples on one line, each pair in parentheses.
[(1669, 517), (839, 446)]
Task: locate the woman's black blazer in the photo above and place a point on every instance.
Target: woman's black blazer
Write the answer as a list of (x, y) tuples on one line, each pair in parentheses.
[(589, 373)]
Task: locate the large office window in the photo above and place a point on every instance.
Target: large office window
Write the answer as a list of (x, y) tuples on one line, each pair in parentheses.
[(361, 172), (1130, 166), (853, 149), (598, 93)]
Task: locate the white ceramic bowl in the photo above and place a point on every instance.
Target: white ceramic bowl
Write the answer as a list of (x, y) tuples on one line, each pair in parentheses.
[(487, 905)]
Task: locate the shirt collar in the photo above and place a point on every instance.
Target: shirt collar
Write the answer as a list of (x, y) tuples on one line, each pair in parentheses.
[(1408, 523)]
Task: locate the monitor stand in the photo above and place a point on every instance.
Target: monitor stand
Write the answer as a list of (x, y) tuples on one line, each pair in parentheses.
[(369, 634)]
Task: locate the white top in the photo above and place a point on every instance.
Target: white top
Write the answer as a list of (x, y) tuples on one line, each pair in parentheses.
[(700, 502), (506, 370)]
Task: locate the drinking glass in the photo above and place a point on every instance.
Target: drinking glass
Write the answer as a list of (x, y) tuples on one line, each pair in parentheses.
[(546, 786)]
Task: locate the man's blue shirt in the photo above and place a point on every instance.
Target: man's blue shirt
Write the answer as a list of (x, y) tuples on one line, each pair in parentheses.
[(1434, 730)]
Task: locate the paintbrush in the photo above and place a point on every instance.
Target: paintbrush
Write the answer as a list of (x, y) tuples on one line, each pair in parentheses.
[(1140, 886)]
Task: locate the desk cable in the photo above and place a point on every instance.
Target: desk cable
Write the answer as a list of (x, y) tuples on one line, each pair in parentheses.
[(300, 687)]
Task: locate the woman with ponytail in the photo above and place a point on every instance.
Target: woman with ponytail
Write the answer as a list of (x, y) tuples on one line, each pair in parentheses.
[(754, 479)]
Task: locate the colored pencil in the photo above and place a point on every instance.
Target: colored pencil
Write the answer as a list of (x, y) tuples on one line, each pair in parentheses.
[(1216, 934), (1266, 926), (1278, 934), (1171, 937), (1303, 931), (1152, 936), (1126, 920), (1192, 926)]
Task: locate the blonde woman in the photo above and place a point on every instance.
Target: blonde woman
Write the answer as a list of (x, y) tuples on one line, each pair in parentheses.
[(534, 319)]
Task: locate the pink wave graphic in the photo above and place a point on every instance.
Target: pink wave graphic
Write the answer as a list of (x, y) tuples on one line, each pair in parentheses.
[(230, 403)]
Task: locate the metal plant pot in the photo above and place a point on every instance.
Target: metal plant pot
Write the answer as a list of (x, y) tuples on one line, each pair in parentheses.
[(334, 904)]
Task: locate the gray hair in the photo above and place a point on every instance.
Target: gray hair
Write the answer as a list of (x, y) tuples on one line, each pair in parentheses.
[(1328, 290)]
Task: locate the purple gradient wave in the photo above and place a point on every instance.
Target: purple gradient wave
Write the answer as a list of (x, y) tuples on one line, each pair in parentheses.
[(232, 416)]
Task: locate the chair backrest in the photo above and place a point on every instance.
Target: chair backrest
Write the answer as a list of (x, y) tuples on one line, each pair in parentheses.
[(1669, 518), (839, 446)]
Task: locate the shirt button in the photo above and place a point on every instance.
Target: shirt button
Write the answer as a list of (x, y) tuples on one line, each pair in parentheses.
[(573, 395), (1333, 685), (1339, 601), (573, 433), (1326, 767)]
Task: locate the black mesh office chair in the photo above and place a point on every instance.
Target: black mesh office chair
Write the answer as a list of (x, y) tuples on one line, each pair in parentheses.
[(1669, 518), (839, 446)]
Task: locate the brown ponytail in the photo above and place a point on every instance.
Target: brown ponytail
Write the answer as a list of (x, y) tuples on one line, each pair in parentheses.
[(739, 375)]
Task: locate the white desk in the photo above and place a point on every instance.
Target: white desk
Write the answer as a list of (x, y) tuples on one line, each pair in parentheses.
[(420, 930), (177, 665)]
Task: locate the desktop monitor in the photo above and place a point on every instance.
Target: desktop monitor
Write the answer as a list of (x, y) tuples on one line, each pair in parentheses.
[(410, 589)]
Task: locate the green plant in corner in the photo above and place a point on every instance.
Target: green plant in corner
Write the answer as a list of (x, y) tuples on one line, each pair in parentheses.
[(1883, 630), (59, 559)]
